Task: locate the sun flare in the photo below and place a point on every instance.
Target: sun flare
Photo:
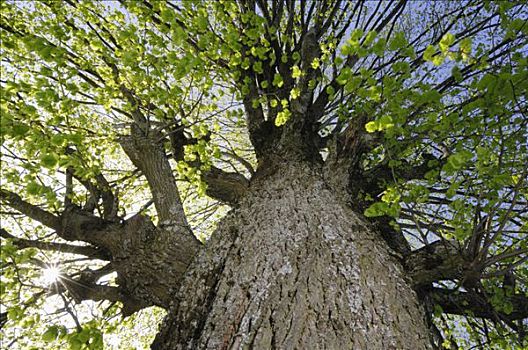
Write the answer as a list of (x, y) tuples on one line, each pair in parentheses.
[(50, 274)]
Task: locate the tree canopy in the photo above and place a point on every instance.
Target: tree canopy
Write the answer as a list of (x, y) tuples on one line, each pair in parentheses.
[(159, 108)]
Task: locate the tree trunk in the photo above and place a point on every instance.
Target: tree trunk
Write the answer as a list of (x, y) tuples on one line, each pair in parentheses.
[(293, 267)]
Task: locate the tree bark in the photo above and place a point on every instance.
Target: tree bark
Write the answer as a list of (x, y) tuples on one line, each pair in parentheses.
[(294, 267)]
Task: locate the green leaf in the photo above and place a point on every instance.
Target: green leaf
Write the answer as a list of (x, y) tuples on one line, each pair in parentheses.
[(458, 160), (257, 67), (295, 93), (372, 126), (277, 80), (296, 56), (296, 72), (379, 47), (20, 129), (445, 43), (330, 91), (457, 75), (385, 122), (356, 34), (15, 313), (84, 335), (342, 78), (33, 188), (390, 195), (49, 160), (437, 310), (282, 117), (465, 48), (398, 42), (370, 37), (376, 209), (438, 60), (353, 83), (50, 334), (201, 188), (75, 138), (75, 344), (315, 63), (401, 67), (507, 307), (428, 53), (167, 15), (455, 162), (58, 140)]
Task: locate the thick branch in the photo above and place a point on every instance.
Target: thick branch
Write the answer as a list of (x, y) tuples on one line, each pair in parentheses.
[(467, 303), (241, 160), (262, 132), (345, 152), (395, 239), (437, 261), (80, 225), (16, 202), (148, 155), (80, 290), (85, 288), (88, 251), (406, 172), (101, 189), (227, 187)]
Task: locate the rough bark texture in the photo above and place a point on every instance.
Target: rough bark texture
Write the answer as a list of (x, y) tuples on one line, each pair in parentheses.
[(151, 262), (293, 267)]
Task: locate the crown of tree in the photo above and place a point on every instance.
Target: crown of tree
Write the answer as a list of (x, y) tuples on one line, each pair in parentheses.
[(130, 128)]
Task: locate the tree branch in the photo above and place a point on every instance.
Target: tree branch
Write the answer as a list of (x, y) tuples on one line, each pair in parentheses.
[(406, 173), (99, 189), (227, 187), (16, 202), (241, 160), (86, 288), (88, 251), (394, 238), (437, 261), (464, 303), (148, 155), (80, 290)]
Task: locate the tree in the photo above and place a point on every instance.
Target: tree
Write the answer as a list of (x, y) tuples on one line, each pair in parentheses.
[(273, 174)]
